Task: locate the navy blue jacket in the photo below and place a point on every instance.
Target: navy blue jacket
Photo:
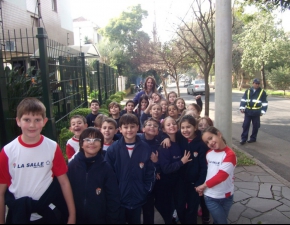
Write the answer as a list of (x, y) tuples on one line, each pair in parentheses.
[(170, 162), (95, 190), (91, 119), (136, 175), (194, 171), (154, 146)]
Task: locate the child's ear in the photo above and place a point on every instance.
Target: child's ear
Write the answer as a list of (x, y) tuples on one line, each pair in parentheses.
[(86, 125)]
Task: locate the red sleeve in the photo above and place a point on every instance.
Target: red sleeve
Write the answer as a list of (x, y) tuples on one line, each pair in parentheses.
[(59, 166), (218, 178), (5, 177), (69, 151)]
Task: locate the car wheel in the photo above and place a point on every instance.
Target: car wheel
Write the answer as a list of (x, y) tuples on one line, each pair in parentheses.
[(192, 92), (188, 92)]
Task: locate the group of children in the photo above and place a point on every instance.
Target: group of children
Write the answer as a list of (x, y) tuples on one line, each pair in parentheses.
[(152, 155)]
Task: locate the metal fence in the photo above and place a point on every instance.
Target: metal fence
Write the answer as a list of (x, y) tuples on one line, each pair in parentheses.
[(31, 65)]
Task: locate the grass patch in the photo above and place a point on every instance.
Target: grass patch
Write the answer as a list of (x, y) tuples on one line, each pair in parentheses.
[(278, 93), (243, 159)]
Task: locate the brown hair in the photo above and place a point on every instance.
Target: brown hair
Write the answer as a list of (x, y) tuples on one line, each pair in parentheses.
[(95, 101), (214, 131), (154, 89), (128, 118), (99, 120), (151, 120), (31, 105), (78, 117), (175, 103), (112, 104), (110, 120), (208, 120), (172, 92), (196, 106), (91, 133)]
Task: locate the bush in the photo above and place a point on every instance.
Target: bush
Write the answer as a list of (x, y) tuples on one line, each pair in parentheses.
[(108, 101), (81, 111), (121, 93), (64, 136), (104, 111), (94, 95)]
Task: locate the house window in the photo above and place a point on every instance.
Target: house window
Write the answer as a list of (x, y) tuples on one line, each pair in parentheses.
[(34, 21), (54, 5)]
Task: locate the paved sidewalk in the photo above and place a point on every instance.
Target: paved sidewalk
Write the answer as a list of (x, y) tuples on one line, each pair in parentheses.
[(261, 196)]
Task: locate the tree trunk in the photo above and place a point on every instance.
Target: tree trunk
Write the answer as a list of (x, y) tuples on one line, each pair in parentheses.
[(177, 85), (263, 75)]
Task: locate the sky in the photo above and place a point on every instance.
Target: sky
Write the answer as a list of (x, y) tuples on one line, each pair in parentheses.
[(168, 13)]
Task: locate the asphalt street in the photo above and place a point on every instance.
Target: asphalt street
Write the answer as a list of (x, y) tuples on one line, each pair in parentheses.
[(273, 143)]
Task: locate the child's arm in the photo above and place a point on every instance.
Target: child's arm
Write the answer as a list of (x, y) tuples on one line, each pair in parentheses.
[(3, 188), (199, 101), (68, 196)]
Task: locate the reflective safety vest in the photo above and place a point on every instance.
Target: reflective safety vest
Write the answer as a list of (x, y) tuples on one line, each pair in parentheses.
[(248, 100)]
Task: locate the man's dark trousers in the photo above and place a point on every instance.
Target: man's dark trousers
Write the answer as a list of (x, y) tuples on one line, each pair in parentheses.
[(246, 126)]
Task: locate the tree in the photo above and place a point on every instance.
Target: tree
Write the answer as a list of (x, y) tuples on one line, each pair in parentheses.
[(258, 43), (280, 78), (125, 31), (270, 4), (198, 37)]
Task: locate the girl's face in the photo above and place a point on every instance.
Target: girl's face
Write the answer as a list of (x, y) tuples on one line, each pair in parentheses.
[(156, 98), (130, 106), (172, 98), (156, 112), (180, 104), (164, 106), (144, 104), (187, 130), (172, 112), (91, 146), (202, 125), (190, 112), (149, 85), (213, 141), (170, 126), (192, 108)]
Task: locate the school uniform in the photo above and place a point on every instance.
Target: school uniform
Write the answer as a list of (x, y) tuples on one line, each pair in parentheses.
[(148, 207), (166, 188), (95, 190), (91, 119), (136, 175), (193, 174)]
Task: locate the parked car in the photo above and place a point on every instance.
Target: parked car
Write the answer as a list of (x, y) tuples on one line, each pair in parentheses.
[(197, 86)]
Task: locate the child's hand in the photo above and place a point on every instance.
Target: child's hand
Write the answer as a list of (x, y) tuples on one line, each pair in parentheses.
[(166, 143), (200, 189), (154, 157), (185, 159), (158, 176), (197, 97), (151, 102)]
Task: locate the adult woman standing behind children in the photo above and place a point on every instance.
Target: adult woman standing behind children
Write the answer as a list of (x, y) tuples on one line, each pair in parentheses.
[(219, 187), (149, 89)]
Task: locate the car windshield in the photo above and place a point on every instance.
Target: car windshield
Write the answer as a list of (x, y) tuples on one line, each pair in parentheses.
[(199, 81)]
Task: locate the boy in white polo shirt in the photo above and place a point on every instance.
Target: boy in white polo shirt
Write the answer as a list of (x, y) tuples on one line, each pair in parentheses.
[(28, 165)]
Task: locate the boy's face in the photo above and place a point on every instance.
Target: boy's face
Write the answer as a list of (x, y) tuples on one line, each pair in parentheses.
[(95, 107), (108, 130), (156, 112), (129, 132), (114, 110), (77, 126), (151, 129), (31, 126), (130, 106), (91, 146)]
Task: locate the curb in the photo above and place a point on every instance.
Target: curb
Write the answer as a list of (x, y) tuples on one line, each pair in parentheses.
[(266, 168)]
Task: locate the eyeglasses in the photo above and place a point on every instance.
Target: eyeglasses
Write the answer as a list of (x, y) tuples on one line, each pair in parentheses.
[(152, 125), (91, 140)]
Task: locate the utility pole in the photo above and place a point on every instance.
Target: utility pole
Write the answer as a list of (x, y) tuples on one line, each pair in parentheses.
[(39, 12), (223, 69)]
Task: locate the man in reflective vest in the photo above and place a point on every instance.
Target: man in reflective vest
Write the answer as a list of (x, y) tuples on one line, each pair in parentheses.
[(254, 104)]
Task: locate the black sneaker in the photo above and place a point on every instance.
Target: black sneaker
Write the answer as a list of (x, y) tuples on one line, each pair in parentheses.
[(251, 141), (174, 220), (205, 221), (242, 142)]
